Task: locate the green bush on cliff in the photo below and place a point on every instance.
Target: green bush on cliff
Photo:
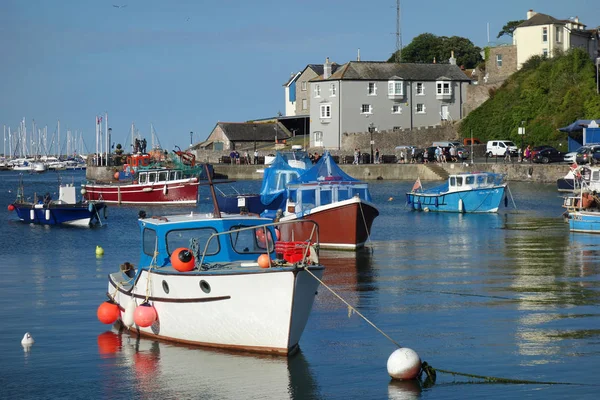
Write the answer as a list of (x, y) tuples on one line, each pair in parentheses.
[(545, 93)]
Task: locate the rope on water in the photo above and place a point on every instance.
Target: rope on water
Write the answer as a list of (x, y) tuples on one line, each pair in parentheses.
[(352, 309), (362, 213), (432, 372)]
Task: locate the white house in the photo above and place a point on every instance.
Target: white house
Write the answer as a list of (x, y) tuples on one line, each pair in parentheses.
[(544, 35)]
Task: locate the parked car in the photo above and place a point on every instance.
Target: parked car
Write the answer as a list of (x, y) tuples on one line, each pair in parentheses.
[(570, 157), (588, 155), (536, 149), (462, 153), (548, 154)]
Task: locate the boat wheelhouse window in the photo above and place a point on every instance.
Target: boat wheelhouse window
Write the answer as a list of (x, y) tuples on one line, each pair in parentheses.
[(326, 196), (149, 241), (452, 181), (308, 198), (361, 192), (470, 180), (343, 193), (293, 195), (151, 177), (163, 176), (193, 239), (174, 175), (251, 240), (459, 181), (283, 177), (481, 179), (143, 178)]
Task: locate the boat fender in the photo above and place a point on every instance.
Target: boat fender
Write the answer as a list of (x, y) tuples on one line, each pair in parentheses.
[(418, 205), (461, 206), (144, 315), (127, 315), (91, 207), (436, 202), (165, 190), (47, 215), (408, 199)]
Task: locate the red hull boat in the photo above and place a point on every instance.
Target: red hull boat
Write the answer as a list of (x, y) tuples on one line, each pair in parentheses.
[(160, 186)]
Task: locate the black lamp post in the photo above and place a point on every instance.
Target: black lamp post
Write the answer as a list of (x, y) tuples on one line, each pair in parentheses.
[(191, 138), (371, 130)]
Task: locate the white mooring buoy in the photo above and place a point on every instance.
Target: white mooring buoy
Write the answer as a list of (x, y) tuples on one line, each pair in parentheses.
[(27, 339), (404, 364)]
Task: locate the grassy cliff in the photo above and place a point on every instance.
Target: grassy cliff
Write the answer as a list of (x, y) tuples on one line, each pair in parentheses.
[(546, 93)]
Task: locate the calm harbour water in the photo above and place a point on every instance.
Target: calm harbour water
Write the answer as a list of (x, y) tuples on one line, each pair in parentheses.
[(512, 295)]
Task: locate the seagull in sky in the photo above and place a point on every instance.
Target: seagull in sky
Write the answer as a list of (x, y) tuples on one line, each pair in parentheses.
[(119, 6)]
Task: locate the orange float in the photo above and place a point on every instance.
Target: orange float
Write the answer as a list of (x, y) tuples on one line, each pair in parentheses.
[(11, 207), (108, 312), (264, 261), (144, 315), (116, 176), (183, 260)]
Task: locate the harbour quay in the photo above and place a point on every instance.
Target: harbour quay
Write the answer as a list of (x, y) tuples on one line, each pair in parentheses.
[(542, 173)]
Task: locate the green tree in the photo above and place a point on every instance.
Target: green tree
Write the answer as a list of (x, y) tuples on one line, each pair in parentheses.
[(509, 28), (547, 93), (428, 47)]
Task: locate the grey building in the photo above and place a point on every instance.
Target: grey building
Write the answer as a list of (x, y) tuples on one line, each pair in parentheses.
[(383, 96)]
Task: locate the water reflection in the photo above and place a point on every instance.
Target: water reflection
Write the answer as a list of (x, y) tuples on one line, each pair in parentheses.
[(404, 390), (163, 370)]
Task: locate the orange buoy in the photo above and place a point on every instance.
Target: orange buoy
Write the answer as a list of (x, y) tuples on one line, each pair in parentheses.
[(11, 207), (264, 261), (144, 315), (108, 342), (108, 312), (183, 260), (116, 175)]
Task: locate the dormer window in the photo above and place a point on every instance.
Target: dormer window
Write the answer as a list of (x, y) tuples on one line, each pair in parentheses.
[(395, 88), (443, 89)]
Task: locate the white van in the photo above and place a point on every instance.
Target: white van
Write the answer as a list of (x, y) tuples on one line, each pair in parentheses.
[(500, 147)]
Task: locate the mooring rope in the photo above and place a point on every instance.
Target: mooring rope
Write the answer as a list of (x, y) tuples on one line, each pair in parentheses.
[(431, 371), (362, 213)]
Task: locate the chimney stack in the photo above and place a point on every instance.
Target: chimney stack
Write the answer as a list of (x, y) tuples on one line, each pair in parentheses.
[(452, 60), (326, 69), (358, 55), (530, 14)]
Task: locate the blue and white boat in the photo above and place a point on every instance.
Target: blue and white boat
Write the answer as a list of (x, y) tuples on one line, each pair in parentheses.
[(583, 211), (43, 210), (217, 280), (469, 192), (284, 168)]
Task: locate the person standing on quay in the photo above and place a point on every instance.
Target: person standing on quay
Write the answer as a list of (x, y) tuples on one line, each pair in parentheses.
[(377, 156)]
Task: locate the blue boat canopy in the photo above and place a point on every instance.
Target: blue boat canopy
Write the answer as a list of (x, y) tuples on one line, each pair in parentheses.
[(324, 170), (578, 125), (276, 178)]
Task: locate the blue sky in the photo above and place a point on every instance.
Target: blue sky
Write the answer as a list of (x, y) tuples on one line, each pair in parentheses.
[(185, 65)]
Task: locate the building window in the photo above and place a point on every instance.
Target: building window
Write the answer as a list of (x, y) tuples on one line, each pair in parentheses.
[(420, 89), (443, 88), (325, 110), (420, 108), (558, 34), (498, 60), (303, 86), (396, 109), (332, 90), (545, 34), (395, 88), (545, 52), (396, 128), (366, 109), (317, 90), (304, 104), (372, 89)]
